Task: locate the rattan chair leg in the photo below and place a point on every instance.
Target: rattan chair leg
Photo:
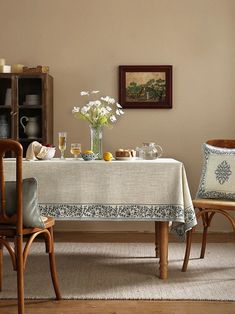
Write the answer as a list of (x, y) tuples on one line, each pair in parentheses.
[(20, 274), (204, 237), (188, 249), (54, 276), (205, 219)]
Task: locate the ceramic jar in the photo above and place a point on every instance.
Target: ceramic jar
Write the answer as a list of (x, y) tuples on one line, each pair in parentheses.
[(4, 127)]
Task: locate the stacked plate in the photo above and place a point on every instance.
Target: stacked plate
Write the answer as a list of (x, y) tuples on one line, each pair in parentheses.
[(32, 100)]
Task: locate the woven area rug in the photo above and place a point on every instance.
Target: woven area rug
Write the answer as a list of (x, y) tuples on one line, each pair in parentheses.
[(126, 271)]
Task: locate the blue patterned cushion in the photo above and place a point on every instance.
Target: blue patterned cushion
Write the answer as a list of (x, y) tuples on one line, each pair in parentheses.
[(218, 173)]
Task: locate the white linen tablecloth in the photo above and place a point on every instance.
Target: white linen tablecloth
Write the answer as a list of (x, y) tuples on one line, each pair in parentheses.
[(155, 190)]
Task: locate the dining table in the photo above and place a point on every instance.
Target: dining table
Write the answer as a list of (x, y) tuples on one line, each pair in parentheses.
[(118, 190)]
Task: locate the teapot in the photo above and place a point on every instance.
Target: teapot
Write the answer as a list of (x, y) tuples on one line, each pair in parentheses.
[(149, 151)]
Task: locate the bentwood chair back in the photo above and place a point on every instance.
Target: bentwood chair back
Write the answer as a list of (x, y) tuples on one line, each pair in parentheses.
[(12, 228), (209, 207)]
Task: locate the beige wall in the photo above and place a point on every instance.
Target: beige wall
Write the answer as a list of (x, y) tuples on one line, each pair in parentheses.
[(83, 42)]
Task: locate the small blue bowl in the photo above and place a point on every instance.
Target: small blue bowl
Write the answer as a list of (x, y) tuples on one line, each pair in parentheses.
[(88, 157)]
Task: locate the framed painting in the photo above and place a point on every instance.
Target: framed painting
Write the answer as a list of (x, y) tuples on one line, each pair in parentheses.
[(145, 86)]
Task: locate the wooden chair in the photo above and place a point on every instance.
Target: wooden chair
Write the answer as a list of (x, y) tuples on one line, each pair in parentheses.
[(208, 208), (12, 228)]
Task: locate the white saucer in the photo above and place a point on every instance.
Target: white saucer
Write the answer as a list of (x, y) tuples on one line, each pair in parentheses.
[(125, 158)]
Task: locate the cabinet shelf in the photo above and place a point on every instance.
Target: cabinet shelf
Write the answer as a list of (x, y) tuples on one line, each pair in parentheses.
[(30, 107), (25, 139), (5, 107), (22, 86)]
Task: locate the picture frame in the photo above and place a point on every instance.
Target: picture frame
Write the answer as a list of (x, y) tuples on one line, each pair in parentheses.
[(145, 86)]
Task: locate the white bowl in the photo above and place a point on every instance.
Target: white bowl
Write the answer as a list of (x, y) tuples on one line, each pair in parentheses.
[(46, 153)]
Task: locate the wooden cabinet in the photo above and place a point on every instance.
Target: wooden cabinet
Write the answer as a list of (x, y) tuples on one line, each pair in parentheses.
[(29, 96)]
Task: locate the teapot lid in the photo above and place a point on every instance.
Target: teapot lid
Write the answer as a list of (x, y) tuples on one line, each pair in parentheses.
[(149, 144)]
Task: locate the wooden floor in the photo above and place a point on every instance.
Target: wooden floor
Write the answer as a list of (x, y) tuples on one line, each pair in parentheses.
[(134, 237), (121, 307)]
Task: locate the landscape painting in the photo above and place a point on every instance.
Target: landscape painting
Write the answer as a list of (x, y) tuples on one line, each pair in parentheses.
[(145, 86)]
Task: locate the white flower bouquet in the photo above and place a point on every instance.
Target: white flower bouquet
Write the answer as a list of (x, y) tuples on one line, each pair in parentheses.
[(101, 112)]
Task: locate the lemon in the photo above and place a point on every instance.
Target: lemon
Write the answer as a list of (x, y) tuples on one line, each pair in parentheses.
[(107, 156), (88, 152)]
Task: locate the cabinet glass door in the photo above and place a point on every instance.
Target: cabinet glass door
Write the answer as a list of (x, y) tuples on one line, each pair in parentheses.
[(30, 105), (5, 107)]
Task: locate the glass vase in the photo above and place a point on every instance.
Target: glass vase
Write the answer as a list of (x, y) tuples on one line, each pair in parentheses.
[(96, 140)]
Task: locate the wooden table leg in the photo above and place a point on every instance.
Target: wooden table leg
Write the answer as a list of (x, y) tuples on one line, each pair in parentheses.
[(157, 238), (163, 243)]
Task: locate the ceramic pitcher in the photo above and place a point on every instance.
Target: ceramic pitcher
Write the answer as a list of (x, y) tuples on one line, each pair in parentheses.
[(31, 128)]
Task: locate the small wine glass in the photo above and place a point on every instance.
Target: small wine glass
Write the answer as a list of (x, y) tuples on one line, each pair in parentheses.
[(62, 143), (75, 150)]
